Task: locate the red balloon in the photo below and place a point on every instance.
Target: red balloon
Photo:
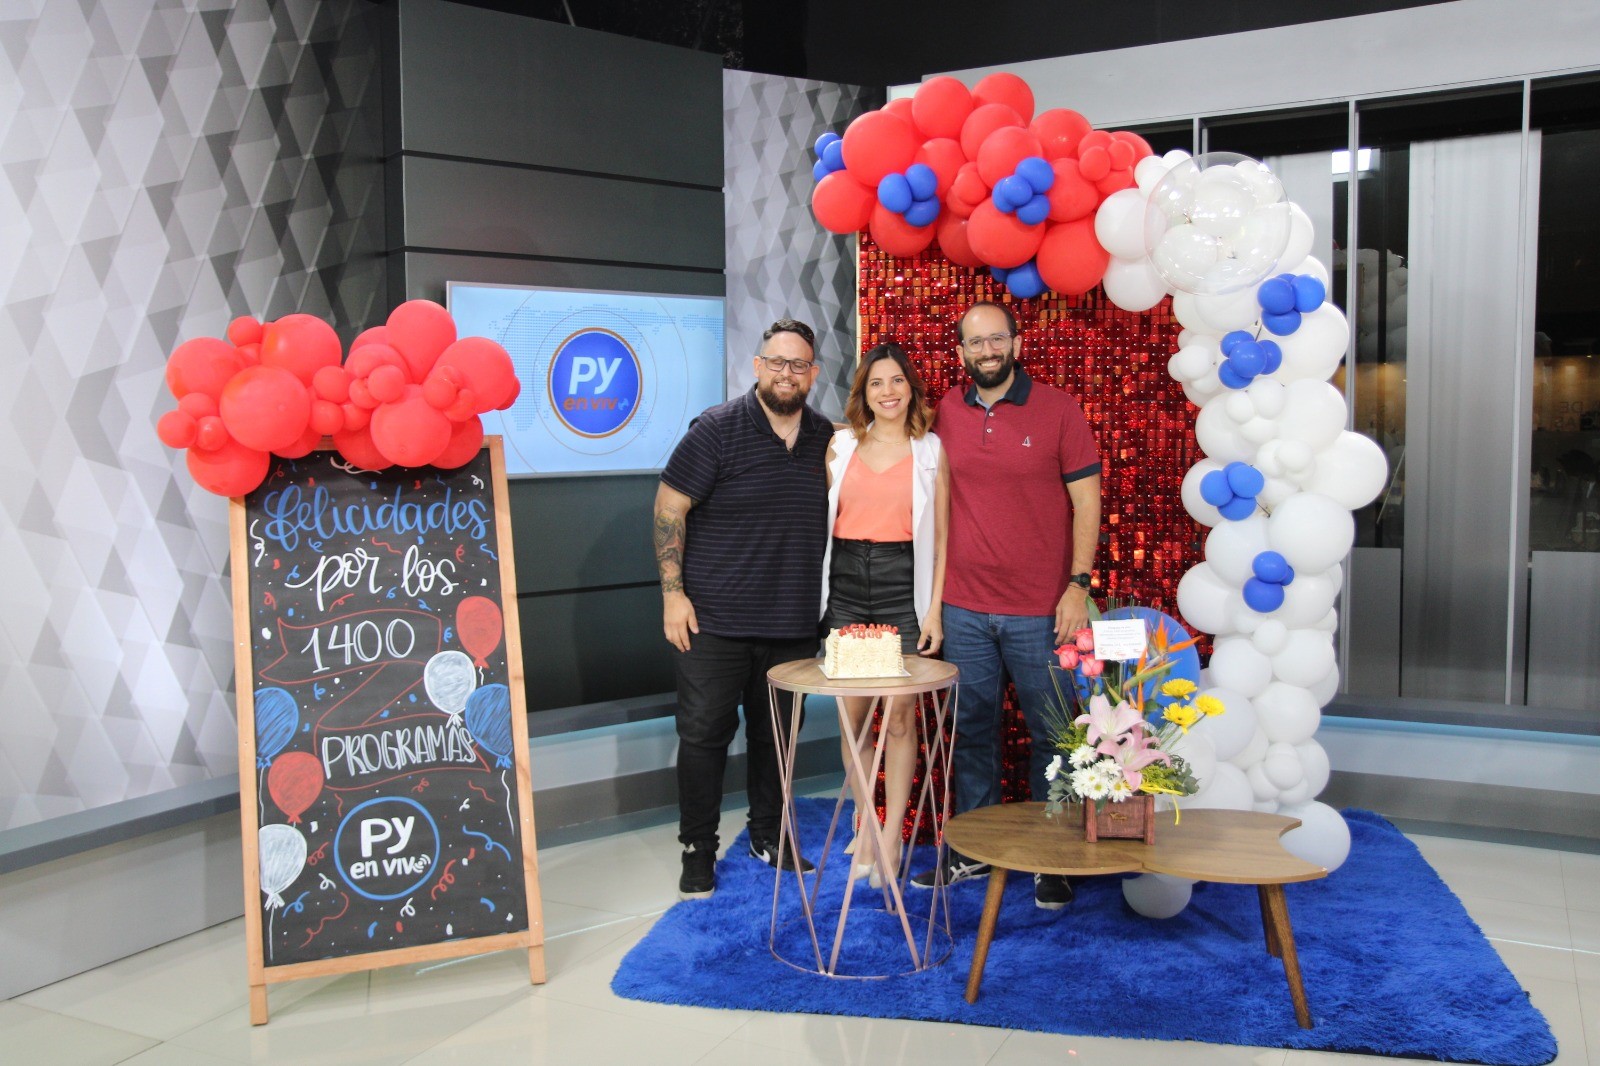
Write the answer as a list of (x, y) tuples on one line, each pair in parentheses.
[(204, 364), (1115, 181), (420, 330), (1001, 240), (230, 470), (1094, 162), (943, 156), (356, 445), (265, 407), (304, 446), (198, 405), (1002, 150), (879, 143), (466, 438), (1072, 196), (387, 384), (355, 416), (1059, 130), (901, 108), (969, 186), (953, 242), (300, 344), (410, 432), (210, 434), (373, 335), (177, 429), (370, 356), (940, 105), (249, 354), (1141, 147), (892, 233), (332, 383), (982, 122), (479, 627), (327, 417), (1007, 89), (1071, 260), (482, 366), (841, 203), (295, 781), (244, 330)]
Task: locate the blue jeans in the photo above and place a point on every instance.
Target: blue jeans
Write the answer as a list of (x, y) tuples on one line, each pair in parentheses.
[(988, 648)]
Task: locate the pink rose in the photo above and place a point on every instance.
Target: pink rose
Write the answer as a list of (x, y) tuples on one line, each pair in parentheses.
[(1084, 639), (1092, 667), (1068, 656)]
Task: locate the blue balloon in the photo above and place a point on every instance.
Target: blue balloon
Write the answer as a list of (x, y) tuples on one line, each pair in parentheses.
[(819, 170), (1184, 664), (1035, 210), (1214, 488), (1270, 566), (1232, 340), (488, 719), (894, 192), (1244, 479), (1238, 508), (1011, 192), (1273, 354), (922, 212), (1039, 174), (833, 155), (1262, 596), (277, 720), (1309, 293), (924, 182), (1276, 296), (1000, 274), (1281, 325), (1247, 359), (1231, 378), (1025, 282), (826, 138)]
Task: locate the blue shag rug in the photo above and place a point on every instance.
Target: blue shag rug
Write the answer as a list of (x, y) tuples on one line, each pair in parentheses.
[(1391, 961)]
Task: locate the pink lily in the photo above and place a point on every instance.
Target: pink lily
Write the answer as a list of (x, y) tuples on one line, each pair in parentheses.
[(1068, 656), (1134, 753), (1107, 722)]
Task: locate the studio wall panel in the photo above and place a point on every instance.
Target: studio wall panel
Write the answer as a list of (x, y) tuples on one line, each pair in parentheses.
[(427, 272), (582, 532), (594, 645)]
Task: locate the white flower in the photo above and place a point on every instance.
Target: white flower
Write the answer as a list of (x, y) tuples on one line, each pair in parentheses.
[(1107, 771), (1083, 780), (1052, 769), (1082, 755), (1096, 789), (1121, 790)]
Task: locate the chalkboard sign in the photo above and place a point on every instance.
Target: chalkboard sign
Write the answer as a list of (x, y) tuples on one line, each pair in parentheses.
[(383, 746)]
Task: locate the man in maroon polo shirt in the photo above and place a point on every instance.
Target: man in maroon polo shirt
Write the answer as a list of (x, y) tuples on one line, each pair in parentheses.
[(1024, 523)]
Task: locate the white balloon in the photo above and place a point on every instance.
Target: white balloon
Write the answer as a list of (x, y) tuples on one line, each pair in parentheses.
[(1270, 637), (1203, 391), (1185, 256), (1232, 546), (1203, 599), (1301, 236), (1133, 284), (1261, 786), (1315, 350), (1312, 266), (1193, 502), (1265, 806), (1275, 491), (1239, 407), (1222, 200), (1288, 714), (1311, 531), (1305, 659), (1119, 224), (1196, 749), (1351, 471), (1185, 311), (1219, 436), (1237, 665), (1267, 396), (1253, 752), (1322, 838), (449, 678), (1295, 794), (1227, 790), (1308, 598), (1195, 360), (1296, 457), (1314, 761), (1157, 895), (1314, 413), (1148, 171), (1281, 764), (1231, 730), (1325, 690), (1328, 623), (1225, 312), (281, 853)]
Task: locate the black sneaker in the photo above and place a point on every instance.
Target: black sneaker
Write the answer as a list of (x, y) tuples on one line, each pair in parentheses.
[(1051, 892), (767, 852), (699, 877), (957, 867)]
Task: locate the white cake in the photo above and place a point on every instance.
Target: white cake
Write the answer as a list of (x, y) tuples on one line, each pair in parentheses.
[(863, 651)]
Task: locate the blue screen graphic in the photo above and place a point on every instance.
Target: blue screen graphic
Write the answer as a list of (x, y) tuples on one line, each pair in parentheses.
[(610, 381)]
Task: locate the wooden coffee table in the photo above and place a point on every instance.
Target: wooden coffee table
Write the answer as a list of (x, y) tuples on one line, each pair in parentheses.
[(1232, 847)]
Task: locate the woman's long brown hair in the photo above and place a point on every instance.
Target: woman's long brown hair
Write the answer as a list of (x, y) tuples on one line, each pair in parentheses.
[(856, 411)]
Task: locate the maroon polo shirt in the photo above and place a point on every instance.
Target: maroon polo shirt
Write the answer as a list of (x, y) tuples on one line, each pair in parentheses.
[(1010, 546)]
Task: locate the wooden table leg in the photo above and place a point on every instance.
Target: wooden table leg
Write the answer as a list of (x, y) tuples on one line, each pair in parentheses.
[(1278, 909), (1266, 924), (991, 915)]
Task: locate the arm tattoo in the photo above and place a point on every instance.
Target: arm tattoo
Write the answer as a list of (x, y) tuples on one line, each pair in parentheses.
[(669, 540)]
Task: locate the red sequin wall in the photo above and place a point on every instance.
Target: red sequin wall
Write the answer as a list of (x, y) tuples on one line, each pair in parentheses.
[(1115, 363)]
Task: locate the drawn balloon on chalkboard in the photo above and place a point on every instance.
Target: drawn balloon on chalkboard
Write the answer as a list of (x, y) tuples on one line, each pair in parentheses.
[(489, 721), (449, 679), (295, 781), (277, 719), (283, 856), (479, 623)]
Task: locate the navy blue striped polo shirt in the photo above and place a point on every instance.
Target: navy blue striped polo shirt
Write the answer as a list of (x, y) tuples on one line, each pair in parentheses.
[(752, 562)]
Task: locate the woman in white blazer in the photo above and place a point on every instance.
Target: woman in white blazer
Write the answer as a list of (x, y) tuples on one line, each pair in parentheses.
[(888, 510)]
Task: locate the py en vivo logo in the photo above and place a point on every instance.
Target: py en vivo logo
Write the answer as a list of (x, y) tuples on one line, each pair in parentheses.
[(595, 382)]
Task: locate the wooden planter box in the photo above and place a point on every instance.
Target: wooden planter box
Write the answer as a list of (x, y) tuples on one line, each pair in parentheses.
[(1132, 819)]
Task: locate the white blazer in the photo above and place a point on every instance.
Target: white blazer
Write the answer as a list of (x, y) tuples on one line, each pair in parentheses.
[(925, 452)]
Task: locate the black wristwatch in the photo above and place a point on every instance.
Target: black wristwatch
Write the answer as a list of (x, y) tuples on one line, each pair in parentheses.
[(1083, 581)]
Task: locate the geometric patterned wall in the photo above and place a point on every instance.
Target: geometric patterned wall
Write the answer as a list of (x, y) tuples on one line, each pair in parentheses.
[(165, 165), (779, 260)]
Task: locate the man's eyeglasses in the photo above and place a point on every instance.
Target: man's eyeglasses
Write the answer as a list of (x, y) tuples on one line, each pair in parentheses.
[(796, 366), (993, 340)]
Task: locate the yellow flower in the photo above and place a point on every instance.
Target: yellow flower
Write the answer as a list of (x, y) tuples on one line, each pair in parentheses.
[(1178, 688), (1182, 715), (1209, 706)]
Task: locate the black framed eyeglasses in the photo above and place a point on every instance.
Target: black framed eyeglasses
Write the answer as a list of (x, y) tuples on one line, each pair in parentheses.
[(776, 363)]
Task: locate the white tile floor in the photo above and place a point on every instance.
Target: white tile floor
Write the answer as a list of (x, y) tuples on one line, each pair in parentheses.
[(184, 1004)]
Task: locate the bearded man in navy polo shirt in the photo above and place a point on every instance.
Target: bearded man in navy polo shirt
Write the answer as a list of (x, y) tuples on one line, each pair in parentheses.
[(740, 526), (1024, 523)]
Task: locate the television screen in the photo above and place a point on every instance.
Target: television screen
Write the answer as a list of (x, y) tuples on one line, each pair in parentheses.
[(610, 380)]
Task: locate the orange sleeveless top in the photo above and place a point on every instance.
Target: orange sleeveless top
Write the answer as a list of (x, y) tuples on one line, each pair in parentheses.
[(875, 506)]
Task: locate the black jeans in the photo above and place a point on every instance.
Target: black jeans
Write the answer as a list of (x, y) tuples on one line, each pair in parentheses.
[(715, 675)]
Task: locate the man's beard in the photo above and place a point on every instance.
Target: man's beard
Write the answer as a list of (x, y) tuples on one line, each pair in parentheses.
[(778, 405), (1008, 363)]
